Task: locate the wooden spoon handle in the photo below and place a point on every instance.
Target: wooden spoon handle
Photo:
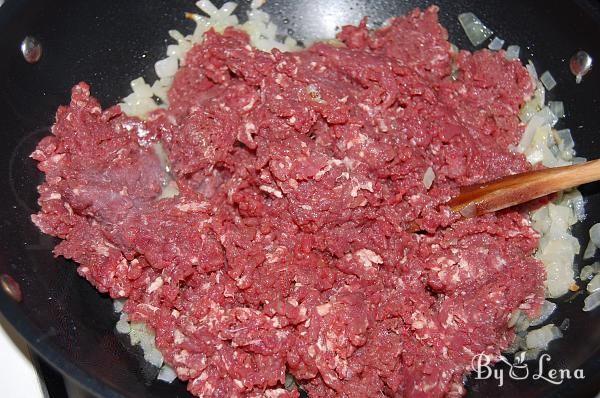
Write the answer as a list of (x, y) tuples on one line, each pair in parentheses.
[(520, 188)]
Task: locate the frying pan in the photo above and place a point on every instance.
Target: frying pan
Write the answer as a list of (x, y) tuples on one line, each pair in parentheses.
[(108, 43)]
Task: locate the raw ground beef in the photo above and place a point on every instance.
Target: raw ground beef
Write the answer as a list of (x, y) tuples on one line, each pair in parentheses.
[(298, 175)]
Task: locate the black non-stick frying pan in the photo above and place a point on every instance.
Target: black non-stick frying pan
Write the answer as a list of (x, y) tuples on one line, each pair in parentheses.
[(107, 43)]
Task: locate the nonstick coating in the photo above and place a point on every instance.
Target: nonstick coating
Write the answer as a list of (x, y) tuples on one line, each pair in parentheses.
[(107, 43)]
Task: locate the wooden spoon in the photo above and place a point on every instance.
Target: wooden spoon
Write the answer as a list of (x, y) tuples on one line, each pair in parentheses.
[(508, 191)]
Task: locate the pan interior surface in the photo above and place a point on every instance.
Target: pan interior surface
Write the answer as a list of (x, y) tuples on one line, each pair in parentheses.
[(107, 44)]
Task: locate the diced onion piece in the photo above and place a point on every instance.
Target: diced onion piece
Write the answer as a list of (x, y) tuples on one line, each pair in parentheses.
[(514, 317), (122, 325), (577, 160), (548, 308), (522, 323), (176, 35), (166, 374), (166, 67), (547, 80), (532, 72), (140, 87), (174, 50), (512, 52), (592, 301), (595, 234), (589, 271), (574, 200), (153, 356), (544, 117), (208, 7), (541, 220), (564, 139), (496, 44), (557, 107), (428, 178), (257, 3), (557, 253), (227, 9), (118, 305), (539, 338), (476, 31), (594, 284)]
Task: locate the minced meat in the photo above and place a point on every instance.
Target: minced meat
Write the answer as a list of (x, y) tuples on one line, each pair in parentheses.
[(299, 176)]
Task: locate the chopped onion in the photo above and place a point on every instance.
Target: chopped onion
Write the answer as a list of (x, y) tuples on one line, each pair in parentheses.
[(575, 201), (557, 253), (227, 9), (564, 139), (522, 323), (577, 160), (532, 72), (547, 309), (140, 87), (557, 107), (595, 234), (589, 270), (428, 178), (592, 301), (590, 250), (536, 103), (166, 67), (118, 305), (539, 338), (547, 80), (541, 220), (208, 7), (594, 284), (514, 317), (496, 44), (476, 31), (542, 118), (122, 325), (257, 3), (166, 374), (512, 52)]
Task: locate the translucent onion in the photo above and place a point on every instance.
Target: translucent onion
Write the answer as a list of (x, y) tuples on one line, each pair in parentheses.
[(166, 67), (557, 107), (548, 308), (595, 234), (594, 284), (166, 374), (476, 31), (547, 80), (496, 44), (588, 271), (592, 301), (564, 139), (512, 52), (542, 118), (539, 338), (428, 178)]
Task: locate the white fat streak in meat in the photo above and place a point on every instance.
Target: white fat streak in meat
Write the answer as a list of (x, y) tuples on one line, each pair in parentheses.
[(275, 192), (368, 257), (158, 282), (357, 186), (192, 206)]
